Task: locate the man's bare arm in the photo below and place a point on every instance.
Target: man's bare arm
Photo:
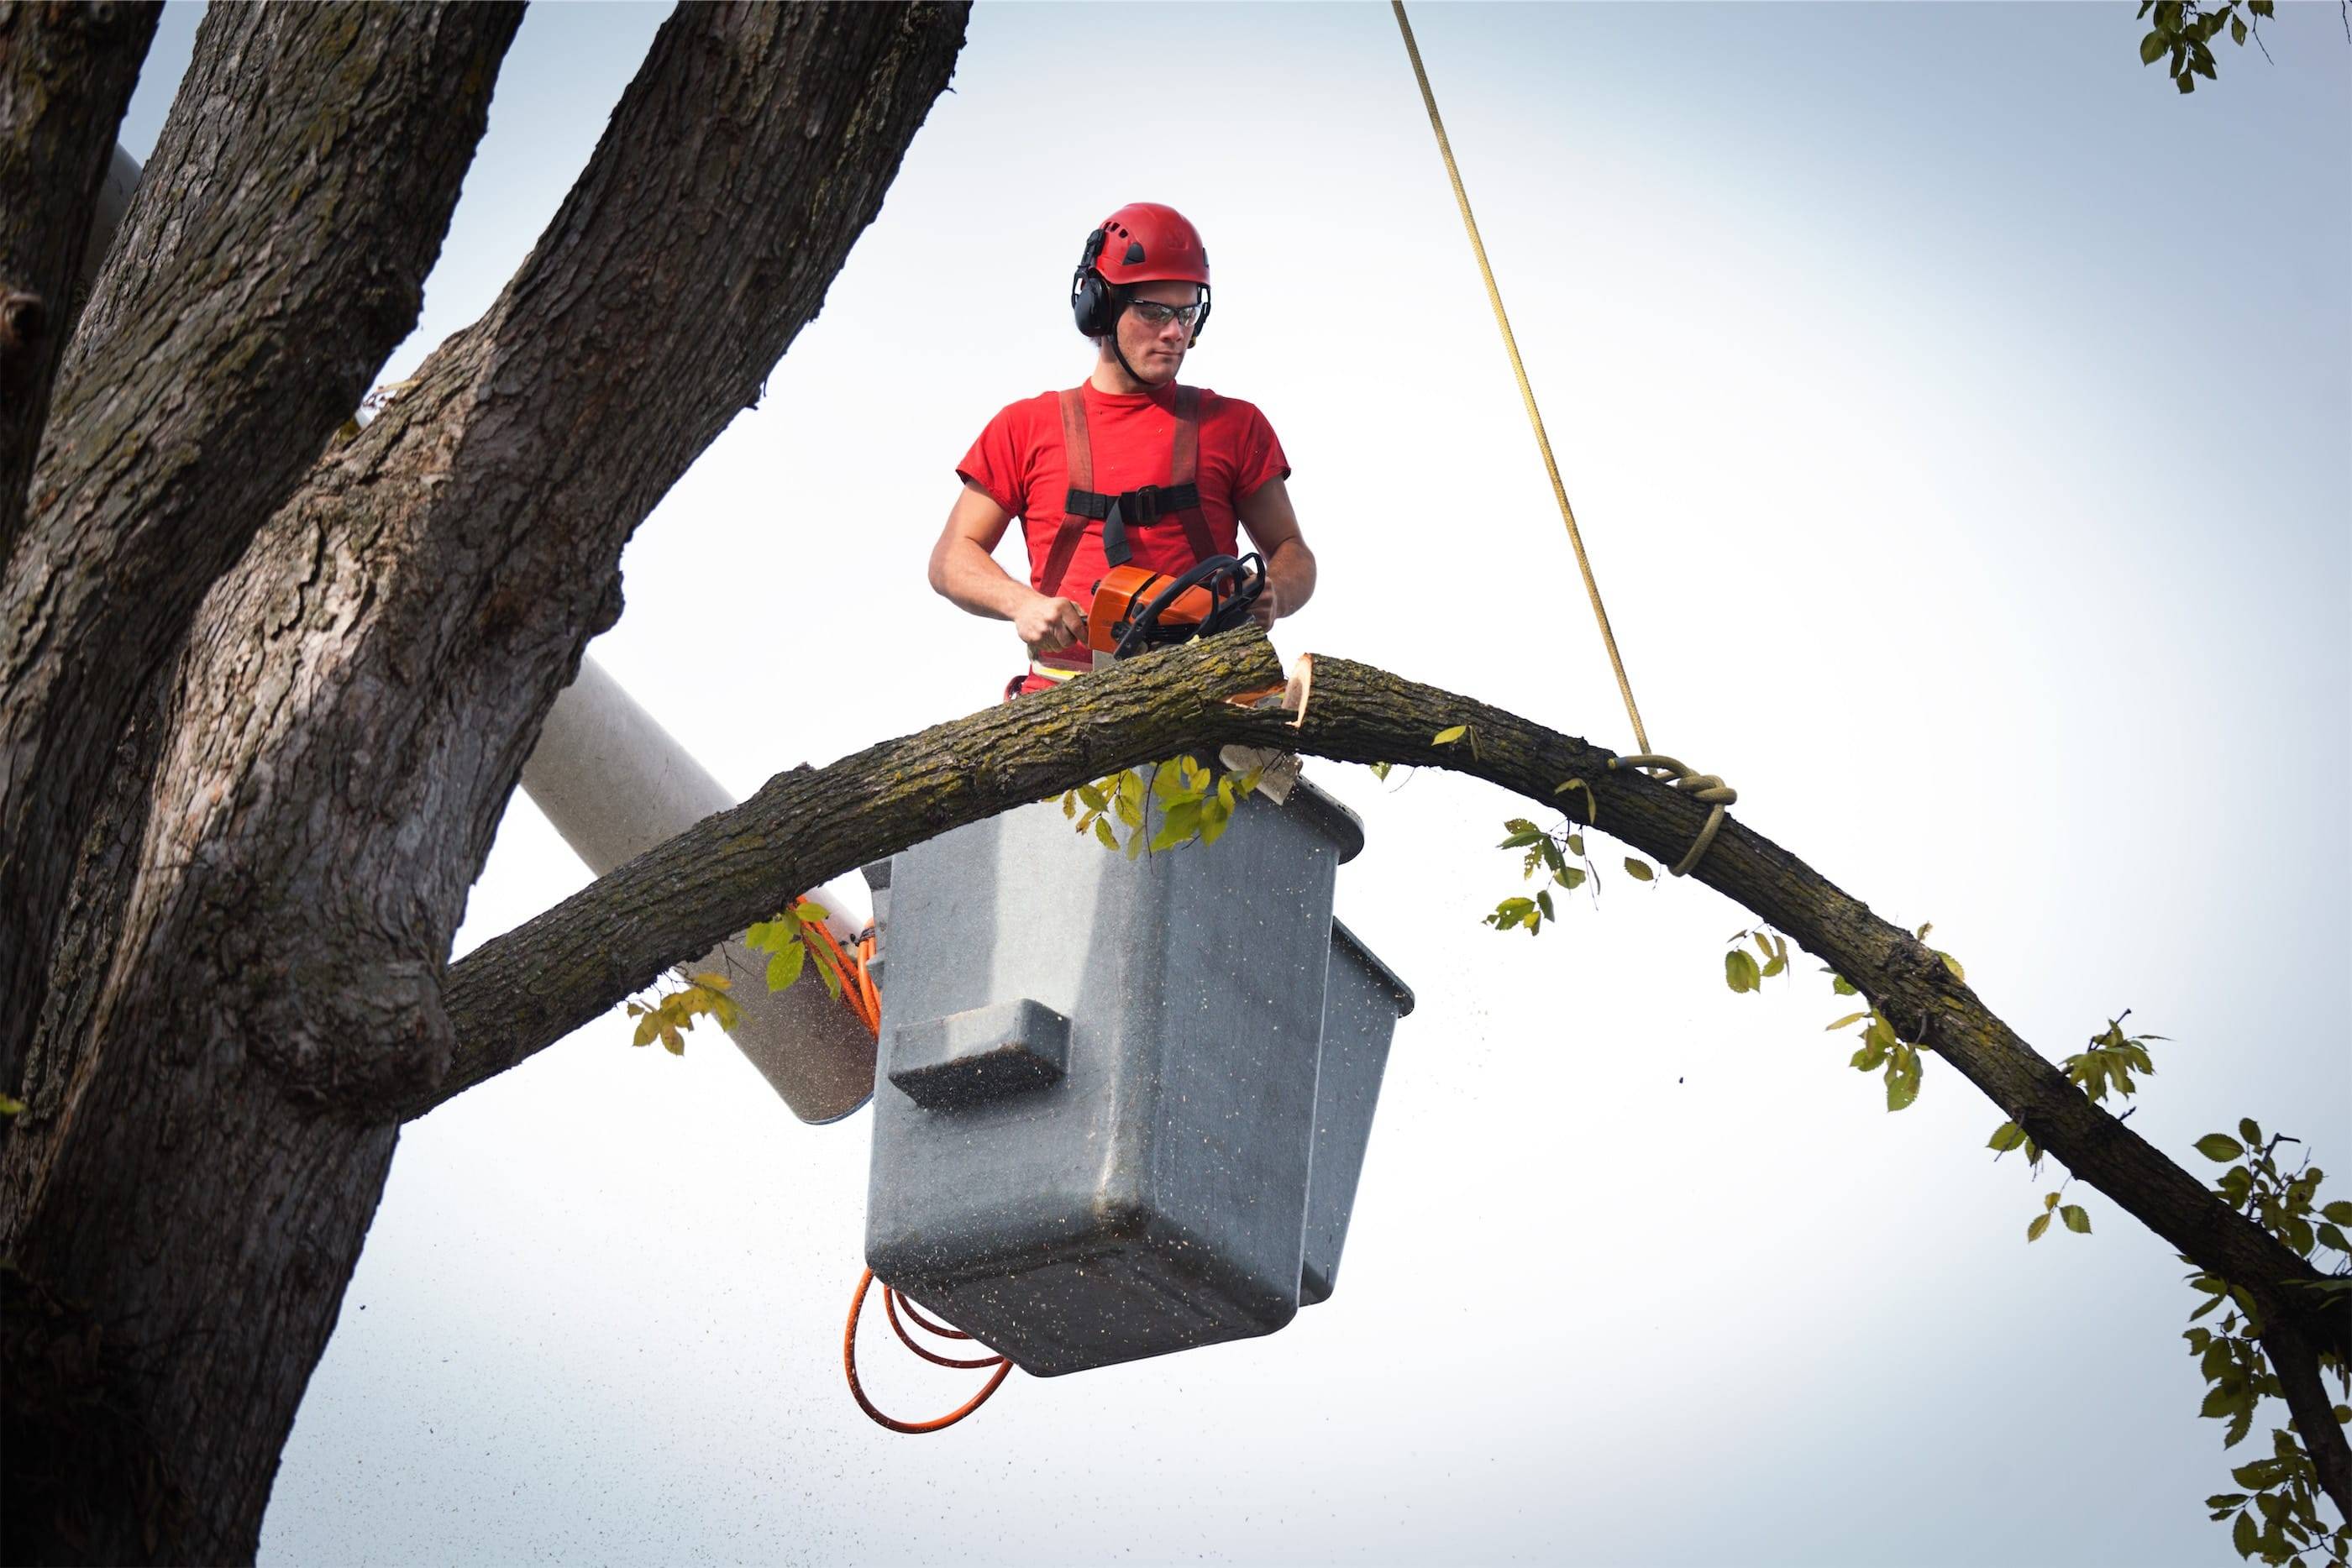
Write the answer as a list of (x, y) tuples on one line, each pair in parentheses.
[(964, 571), (1273, 528)]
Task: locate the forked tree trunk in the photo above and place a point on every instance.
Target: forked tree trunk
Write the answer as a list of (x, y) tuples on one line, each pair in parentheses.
[(248, 983)]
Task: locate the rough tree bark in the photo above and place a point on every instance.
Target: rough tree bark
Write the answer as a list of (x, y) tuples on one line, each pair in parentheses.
[(65, 76), (524, 990), (304, 180), (214, 1096)]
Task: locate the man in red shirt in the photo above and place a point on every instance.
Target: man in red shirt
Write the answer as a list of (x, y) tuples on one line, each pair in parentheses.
[(1181, 468)]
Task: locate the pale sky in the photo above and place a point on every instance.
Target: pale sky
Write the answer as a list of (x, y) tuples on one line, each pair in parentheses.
[(1958, 419)]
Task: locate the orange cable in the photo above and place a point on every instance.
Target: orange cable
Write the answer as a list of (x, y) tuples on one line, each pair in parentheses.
[(863, 999), (907, 1303), (892, 1300), (857, 990), (857, 1391)]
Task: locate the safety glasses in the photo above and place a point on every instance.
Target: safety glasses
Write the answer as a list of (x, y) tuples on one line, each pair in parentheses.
[(1152, 313)]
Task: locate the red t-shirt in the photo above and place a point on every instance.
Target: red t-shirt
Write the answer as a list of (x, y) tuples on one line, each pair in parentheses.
[(1018, 461)]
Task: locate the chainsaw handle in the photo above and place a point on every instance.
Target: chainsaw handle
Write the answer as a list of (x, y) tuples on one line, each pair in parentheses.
[(1248, 575)]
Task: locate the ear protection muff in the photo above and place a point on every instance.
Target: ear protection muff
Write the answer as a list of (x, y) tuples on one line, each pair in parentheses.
[(1093, 303)]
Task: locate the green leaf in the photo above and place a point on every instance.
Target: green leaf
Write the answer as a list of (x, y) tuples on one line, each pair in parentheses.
[(1180, 825), (2230, 1499), (1902, 1078), (2077, 1219), (1849, 1018), (809, 909), (2340, 1211), (785, 967), (1639, 870), (1571, 879), (1102, 831), (1449, 735), (11, 1107), (1842, 987), (2005, 1137), (1543, 902), (2034, 1231), (2238, 30), (827, 971), (2244, 1535), (1380, 771), (2218, 1146), (1739, 970), (2252, 1131), (2151, 48)]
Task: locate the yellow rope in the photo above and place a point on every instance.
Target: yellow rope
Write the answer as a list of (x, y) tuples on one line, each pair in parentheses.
[(1702, 787), (1527, 393)]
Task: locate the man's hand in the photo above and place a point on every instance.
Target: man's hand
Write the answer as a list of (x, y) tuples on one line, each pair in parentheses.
[(1049, 625), (1268, 606)]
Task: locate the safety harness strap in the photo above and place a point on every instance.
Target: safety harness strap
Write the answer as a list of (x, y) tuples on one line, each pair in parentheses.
[(1078, 456), (1179, 498)]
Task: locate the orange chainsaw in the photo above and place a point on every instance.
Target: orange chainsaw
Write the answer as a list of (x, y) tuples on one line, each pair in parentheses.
[(1136, 608)]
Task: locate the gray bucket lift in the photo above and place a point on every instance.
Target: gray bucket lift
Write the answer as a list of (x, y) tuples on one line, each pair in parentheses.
[(1123, 1103)]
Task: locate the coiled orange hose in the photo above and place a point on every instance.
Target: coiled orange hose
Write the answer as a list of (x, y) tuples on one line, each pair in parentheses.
[(890, 1300), (863, 999)]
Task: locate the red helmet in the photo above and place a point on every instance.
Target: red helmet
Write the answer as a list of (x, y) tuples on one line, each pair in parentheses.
[(1143, 242)]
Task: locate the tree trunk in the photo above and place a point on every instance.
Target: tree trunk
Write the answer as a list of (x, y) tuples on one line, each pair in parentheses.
[(65, 76), (275, 255), (237, 1018)]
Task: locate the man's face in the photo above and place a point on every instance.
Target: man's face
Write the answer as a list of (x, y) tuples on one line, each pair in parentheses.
[(1156, 350)]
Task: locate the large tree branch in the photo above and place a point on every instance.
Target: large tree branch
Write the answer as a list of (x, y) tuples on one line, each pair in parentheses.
[(65, 75), (522, 990), (311, 160)]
